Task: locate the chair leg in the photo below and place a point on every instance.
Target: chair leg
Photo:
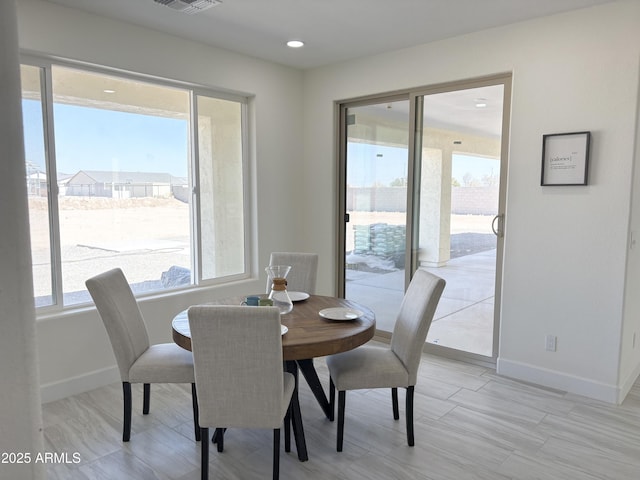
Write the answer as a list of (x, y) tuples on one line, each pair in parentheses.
[(409, 414), (204, 454), (394, 401), (126, 423), (341, 401), (146, 398), (332, 399), (276, 453), (219, 436), (287, 430), (196, 414)]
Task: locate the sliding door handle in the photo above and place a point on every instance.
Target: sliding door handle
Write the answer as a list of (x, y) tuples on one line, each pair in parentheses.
[(497, 225)]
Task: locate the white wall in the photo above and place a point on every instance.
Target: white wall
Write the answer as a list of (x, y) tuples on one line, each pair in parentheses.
[(630, 341), (20, 416), (74, 349), (565, 247)]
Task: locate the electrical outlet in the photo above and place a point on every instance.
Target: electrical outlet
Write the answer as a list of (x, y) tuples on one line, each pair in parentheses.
[(550, 343)]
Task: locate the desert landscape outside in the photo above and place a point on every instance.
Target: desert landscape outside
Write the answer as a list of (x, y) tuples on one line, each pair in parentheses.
[(143, 236), (149, 235)]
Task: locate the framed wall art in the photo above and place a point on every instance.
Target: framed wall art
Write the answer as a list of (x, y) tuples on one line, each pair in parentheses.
[(565, 159)]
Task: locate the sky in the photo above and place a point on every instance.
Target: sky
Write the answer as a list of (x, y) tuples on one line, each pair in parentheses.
[(97, 139), (369, 164), (478, 167)]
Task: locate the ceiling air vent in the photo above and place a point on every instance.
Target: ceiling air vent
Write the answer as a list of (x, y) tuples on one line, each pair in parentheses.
[(189, 6)]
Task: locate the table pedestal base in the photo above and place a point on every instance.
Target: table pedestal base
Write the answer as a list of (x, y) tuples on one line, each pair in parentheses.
[(293, 418)]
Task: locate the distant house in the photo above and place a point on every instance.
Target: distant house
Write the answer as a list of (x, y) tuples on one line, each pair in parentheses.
[(91, 183), (36, 180), (63, 179), (37, 183)]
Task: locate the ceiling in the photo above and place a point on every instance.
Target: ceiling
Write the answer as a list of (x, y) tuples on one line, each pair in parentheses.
[(474, 111), (333, 30)]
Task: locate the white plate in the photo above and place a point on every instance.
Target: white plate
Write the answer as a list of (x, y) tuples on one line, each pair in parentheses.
[(340, 313), (283, 329), (298, 296)]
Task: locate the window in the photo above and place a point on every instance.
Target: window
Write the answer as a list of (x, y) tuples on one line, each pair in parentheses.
[(222, 224), (37, 184), (125, 172)]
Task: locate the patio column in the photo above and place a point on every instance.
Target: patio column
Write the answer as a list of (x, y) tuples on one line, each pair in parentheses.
[(435, 207)]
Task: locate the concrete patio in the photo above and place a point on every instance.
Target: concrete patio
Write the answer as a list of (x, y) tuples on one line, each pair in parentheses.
[(464, 318)]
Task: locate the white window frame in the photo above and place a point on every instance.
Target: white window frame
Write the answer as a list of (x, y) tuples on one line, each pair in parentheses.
[(45, 64)]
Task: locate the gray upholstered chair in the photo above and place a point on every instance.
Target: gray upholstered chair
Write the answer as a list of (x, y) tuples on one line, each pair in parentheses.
[(138, 361), (301, 278), (304, 270), (237, 354), (394, 366)]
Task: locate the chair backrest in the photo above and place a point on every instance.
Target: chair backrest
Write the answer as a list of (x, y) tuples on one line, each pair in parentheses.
[(414, 319), (304, 270), (237, 360), (121, 317)]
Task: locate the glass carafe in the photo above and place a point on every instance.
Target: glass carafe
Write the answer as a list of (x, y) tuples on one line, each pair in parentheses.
[(278, 279)]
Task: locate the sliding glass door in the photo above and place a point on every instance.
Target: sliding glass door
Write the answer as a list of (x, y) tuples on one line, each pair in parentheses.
[(377, 153), (422, 186), (459, 229)]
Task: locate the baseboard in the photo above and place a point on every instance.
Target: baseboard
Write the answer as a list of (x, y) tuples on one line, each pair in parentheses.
[(559, 381), (381, 336), (626, 386), (50, 392)]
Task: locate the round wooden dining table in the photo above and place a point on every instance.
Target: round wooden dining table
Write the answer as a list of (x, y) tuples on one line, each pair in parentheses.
[(309, 335)]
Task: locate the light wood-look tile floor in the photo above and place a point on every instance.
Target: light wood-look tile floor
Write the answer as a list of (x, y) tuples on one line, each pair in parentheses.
[(469, 424)]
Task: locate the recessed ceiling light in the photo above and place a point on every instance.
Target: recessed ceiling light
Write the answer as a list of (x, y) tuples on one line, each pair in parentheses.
[(107, 90), (295, 43), (481, 102)]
